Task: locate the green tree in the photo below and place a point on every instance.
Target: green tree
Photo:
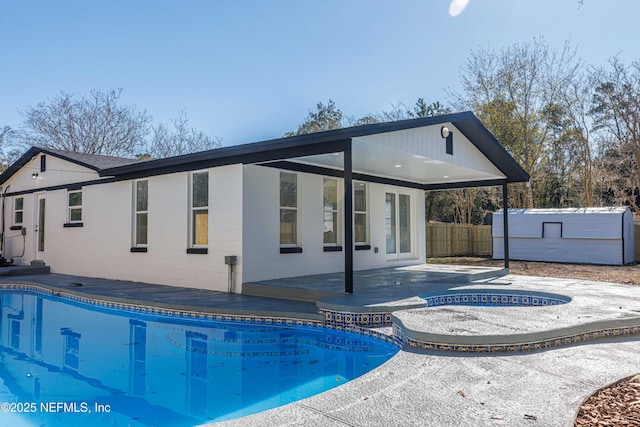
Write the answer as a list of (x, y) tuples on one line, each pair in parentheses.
[(325, 117), (422, 109), (399, 111)]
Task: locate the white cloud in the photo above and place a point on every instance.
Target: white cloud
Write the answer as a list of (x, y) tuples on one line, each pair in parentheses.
[(457, 7)]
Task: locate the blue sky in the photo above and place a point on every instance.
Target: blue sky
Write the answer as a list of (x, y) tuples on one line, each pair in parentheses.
[(250, 70)]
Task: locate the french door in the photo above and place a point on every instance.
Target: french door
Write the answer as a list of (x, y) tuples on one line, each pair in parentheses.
[(398, 225)]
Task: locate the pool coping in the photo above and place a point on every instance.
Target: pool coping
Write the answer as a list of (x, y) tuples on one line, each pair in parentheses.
[(195, 312), (381, 320)]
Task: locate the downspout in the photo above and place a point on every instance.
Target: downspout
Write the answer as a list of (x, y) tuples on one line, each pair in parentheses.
[(3, 261)]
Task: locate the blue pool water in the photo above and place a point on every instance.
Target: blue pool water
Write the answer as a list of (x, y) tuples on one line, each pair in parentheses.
[(70, 364)]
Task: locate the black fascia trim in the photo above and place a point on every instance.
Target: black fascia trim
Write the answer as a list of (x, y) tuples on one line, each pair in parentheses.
[(73, 224), (304, 168), (244, 154), (466, 184), (277, 149), (332, 249), (15, 227), (294, 250), (198, 251), (363, 247), (141, 249), (473, 129), (319, 170), (30, 154), (69, 187), (69, 159), (386, 181)]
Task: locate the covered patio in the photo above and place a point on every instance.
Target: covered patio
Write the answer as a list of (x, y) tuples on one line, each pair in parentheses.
[(433, 153)]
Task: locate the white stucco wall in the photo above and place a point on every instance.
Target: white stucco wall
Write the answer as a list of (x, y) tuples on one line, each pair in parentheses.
[(261, 250), (58, 172), (243, 221), (102, 246)]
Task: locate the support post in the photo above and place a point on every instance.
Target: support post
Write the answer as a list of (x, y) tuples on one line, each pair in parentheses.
[(348, 219), (505, 221)]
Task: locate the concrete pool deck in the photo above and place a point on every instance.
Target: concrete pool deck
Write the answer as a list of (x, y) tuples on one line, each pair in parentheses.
[(425, 387)]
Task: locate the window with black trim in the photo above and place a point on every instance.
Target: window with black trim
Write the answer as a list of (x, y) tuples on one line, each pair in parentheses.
[(74, 205), (141, 213), (360, 214), (199, 216), (18, 210), (288, 209), (330, 206)]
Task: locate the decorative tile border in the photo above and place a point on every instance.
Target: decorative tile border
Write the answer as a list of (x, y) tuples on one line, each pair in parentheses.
[(376, 319), (366, 320), (483, 299), (517, 347), (194, 314)]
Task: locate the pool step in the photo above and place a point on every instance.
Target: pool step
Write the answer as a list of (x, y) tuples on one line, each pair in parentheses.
[(285, 292), (24, 270)]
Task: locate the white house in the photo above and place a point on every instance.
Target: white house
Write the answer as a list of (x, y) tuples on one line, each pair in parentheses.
[(576, 235), (332, 201)]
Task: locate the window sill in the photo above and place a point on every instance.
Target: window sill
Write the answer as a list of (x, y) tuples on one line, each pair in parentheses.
[(198, 251), (73, 224), (15, 227), (291, 250), (363, 247), (332, 249), (139, 250)]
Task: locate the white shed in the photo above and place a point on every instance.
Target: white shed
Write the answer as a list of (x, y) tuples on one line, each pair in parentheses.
[(575, 235)]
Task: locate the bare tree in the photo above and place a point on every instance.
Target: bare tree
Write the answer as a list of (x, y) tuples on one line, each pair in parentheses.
[(509, 90), (616, 112), (8, 152), (576, 100), (179, 139), (95, 124)]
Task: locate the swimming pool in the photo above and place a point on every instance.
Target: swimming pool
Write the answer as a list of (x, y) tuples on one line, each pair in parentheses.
[(64, 363)]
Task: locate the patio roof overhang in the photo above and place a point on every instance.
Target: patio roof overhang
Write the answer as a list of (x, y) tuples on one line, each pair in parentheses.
[(408, 152)]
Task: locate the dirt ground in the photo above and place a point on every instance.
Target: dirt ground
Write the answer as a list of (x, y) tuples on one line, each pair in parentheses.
[(614, 405), (627, 274)]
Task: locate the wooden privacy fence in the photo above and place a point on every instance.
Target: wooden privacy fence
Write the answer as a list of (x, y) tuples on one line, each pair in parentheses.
[(444, 239)]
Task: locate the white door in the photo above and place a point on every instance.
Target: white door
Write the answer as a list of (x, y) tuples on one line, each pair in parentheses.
[(39, 228), (398, 225)]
